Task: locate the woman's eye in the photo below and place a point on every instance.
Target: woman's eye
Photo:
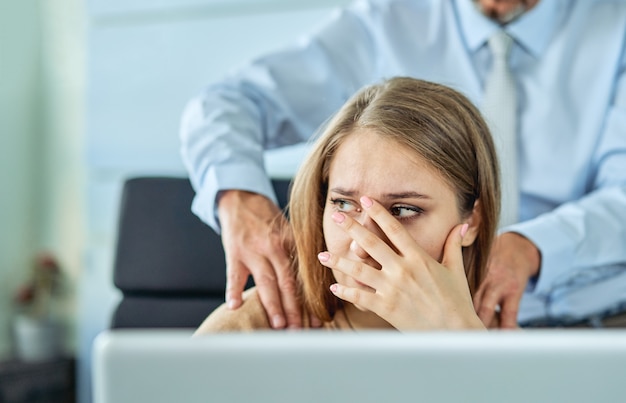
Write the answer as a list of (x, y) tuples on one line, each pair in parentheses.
[(402, 212), (343, 205)]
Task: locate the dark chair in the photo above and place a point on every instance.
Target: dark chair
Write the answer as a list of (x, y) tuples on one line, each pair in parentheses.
[(169, 265)]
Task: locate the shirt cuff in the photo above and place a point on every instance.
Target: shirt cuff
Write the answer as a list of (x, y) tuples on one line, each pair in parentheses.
[(554, 241), (240, 177)]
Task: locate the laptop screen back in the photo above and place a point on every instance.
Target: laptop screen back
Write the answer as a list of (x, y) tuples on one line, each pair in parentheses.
[(514, 366)]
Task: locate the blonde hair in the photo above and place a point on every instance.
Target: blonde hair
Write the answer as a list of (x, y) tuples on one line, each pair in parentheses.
[(443, 127)]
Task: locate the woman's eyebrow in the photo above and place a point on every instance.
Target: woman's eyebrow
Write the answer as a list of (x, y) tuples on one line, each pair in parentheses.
[(406, 195), (344, 192), (386, 196)]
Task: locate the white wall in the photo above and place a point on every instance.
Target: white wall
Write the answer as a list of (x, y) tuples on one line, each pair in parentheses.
[(41, 111), (20, 150), (145, 59), (63, 181)]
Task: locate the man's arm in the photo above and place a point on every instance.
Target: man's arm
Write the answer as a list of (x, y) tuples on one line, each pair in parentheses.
[(582, 234), (276, 100)]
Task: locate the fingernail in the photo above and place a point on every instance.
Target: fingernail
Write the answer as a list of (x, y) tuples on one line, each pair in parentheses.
[(333, 288), (464, 229), (278, 322), (366, 202), (323, 256), (338, 217)]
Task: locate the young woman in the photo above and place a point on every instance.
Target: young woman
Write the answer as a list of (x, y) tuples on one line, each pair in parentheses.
[(393, 214)]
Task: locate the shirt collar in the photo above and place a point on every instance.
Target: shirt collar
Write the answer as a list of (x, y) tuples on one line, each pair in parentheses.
[(533, 30)]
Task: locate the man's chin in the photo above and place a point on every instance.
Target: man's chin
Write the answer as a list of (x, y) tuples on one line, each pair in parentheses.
[(505, 18), (512, 15)]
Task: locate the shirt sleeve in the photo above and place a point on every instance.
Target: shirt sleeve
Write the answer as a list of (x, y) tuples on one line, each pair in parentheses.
[(588, 233), (276, 100)]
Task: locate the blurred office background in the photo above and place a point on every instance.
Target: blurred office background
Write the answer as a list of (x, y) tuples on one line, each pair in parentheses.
[(91, 92)]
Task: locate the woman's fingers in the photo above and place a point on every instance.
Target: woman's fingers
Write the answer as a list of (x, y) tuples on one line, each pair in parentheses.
[(356, 296), (377, 248), (360, 272), (393, 229), (370, 242), (453, 249)]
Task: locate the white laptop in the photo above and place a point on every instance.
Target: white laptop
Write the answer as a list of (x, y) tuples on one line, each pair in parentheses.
[(383, 367)]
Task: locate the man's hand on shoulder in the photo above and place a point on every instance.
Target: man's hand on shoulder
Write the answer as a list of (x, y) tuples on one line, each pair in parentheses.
[(514, 259), (254, 233)]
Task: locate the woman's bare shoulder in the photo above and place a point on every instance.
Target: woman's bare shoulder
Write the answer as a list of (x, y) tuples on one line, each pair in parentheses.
[(249, 316)]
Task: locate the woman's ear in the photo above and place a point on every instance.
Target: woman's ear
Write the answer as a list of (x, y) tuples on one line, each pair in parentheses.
[(474, 221)]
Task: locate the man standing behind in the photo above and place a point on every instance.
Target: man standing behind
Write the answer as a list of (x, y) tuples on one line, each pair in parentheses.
[(560, 256)]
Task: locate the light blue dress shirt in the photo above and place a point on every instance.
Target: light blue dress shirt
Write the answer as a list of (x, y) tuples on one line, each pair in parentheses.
[(568, 59)]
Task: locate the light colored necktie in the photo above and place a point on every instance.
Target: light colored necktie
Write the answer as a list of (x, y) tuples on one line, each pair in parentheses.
[(499, 108)]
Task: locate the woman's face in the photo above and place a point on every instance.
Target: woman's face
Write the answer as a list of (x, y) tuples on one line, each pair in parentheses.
[(367, 164)]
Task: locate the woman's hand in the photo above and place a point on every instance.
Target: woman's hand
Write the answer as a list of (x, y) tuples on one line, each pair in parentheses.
[(412, 290)]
